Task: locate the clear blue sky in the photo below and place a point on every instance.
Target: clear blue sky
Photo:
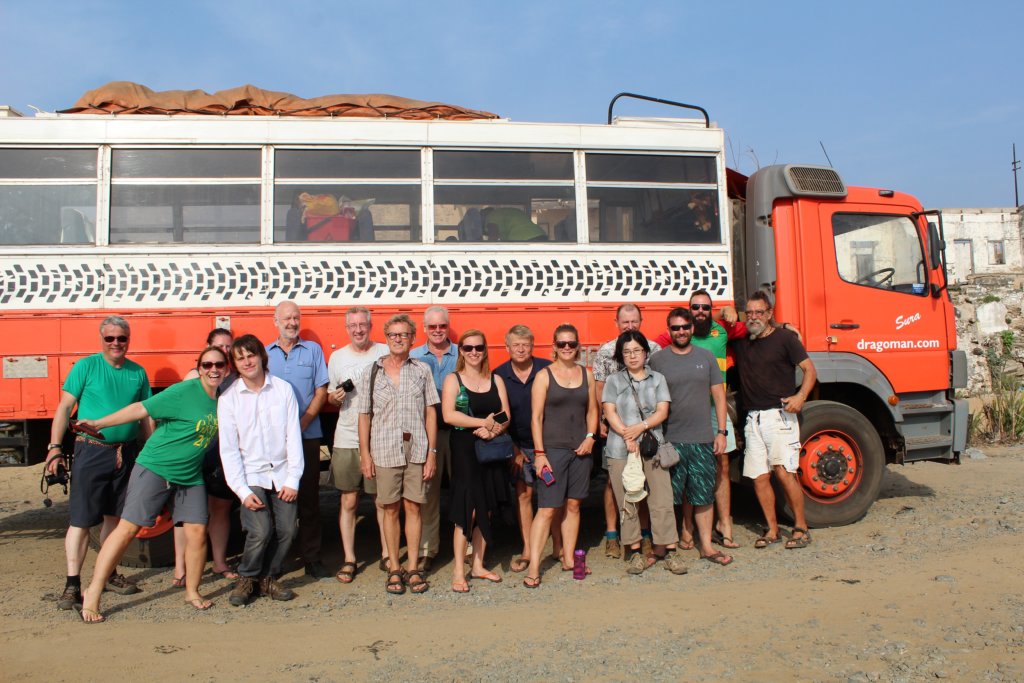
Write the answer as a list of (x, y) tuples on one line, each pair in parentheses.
[(923, 97)]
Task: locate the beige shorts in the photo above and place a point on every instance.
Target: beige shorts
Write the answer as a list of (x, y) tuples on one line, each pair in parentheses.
[(347, 474), (396, 483)]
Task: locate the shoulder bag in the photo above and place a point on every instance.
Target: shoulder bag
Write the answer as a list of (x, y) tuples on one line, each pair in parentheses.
[(498, 449), (648, 442)]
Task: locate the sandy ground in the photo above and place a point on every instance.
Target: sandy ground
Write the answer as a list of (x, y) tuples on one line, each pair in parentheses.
[(929, 585)]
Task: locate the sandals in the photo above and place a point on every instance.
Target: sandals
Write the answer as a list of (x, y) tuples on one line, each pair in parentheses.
[(519, 564), (395, 587), (721, 559), (200, 604), (90, 616), (460, 586), (416, 583), (765, 541), (178, 581), (228, 573), (488, 576), (531, 582), (347, 573), (802, 542), (725, 541)]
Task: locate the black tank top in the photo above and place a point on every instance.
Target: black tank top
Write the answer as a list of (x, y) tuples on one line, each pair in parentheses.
[(565, 413)]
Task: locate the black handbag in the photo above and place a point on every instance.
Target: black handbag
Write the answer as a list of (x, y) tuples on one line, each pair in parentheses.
[(498, 449), (648, 442)]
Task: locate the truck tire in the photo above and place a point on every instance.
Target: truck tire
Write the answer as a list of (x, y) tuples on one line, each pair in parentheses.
[(841, 465), (155, 551)]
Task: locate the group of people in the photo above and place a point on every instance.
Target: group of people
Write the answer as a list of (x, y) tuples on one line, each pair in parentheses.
[(245, 424)]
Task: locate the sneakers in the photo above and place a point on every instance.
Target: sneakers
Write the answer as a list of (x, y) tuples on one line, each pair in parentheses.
[(70, 598), (272, 588), (612, 547), (245, 586), (674, 562), (120, 585), (647, 546), (637, 563)]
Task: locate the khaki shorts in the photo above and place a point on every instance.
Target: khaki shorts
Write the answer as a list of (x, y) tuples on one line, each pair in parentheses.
[(347, 474), (396, 483)]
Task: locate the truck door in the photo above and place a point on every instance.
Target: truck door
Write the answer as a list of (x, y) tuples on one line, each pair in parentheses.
[(877, 297)]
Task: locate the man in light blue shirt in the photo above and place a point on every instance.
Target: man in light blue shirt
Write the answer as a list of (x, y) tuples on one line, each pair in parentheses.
[(440, 354), (301, 363)]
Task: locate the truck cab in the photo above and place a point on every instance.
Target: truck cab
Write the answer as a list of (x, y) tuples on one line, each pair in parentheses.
[(861, 273)]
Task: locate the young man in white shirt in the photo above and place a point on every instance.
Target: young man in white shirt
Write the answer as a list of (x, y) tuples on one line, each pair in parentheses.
[(346, 369), (261, 451)]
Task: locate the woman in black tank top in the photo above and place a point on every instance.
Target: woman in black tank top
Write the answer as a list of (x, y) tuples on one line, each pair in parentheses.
[(564, 420)]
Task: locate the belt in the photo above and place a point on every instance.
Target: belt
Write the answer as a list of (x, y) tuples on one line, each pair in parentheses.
[(116, 445)]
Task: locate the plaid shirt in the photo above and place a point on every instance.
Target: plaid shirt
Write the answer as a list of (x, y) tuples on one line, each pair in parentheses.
[(397, 410), (605, 364)]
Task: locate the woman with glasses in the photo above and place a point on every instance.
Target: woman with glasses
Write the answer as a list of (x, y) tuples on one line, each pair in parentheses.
[(168, 472), (636, 400), (564, 421), (478, 489), (219, 497)]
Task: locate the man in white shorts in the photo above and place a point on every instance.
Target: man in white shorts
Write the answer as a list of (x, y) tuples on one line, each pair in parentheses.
[(767, 362)]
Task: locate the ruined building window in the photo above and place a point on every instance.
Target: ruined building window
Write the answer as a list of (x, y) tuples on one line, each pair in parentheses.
[(996, 253)]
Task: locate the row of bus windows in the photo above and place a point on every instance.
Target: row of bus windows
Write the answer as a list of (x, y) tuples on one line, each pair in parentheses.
[(313, 202)]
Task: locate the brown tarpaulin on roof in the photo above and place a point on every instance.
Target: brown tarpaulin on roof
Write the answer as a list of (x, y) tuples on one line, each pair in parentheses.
[(124, 97)]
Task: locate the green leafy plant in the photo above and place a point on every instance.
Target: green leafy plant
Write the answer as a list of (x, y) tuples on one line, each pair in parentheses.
[(989, 298), (1007, 338)]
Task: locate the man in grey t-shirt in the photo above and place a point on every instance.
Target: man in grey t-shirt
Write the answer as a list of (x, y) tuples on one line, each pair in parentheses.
[(692, 373)]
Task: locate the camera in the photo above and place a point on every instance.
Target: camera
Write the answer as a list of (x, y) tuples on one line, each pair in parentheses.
[(61, 478), (348, 385)]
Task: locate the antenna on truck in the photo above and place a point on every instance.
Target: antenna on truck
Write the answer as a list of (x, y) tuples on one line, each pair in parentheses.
[(830, 165), (702, 110)]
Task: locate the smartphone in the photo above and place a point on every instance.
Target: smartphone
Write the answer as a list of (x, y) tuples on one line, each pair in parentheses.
[(547, 476), (501, 418), (79, 428)]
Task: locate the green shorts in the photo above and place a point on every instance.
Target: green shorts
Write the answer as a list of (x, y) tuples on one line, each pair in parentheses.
[(695, 474), (346, 473)]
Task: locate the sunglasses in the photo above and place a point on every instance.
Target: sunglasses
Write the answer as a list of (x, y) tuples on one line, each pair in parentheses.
[(439, 326), (700, 307), (120, 339), (210, 364), (567, 344), (676, 328), (479, 348)]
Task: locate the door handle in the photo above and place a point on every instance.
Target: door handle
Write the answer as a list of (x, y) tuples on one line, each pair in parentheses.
[(844, 326)]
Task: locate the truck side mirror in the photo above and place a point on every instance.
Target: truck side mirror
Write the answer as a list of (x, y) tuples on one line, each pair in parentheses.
[(935, 245)]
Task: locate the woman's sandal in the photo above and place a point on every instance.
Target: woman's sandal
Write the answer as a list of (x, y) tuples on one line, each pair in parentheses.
[(201, 604), (347, 573), (90, 616), (802, 542), (487, 576), (395, 587), (460, 586), (228, 573), (531, 581), (419, 585), (519, 564), (178, 581)]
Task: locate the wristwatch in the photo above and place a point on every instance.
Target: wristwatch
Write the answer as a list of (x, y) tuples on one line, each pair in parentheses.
[(590, 435), (723, 432)]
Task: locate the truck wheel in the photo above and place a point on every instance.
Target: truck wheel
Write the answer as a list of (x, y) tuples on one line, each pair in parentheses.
[(841, 464), (148, 549)]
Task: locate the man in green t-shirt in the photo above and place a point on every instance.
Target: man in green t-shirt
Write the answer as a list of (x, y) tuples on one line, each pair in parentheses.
[(99, 385), (508, 224)]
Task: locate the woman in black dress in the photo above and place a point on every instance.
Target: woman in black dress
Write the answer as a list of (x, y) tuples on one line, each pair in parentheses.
[(478, 490)]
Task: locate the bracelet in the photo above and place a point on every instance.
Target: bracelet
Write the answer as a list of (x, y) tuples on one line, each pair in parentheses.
[(536, 452), (646, 426)]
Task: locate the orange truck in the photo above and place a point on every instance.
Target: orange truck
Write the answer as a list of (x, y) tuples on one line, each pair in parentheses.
[(186, 222)]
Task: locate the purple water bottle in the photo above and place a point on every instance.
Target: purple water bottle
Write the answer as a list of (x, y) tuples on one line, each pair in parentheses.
[(579, 565)]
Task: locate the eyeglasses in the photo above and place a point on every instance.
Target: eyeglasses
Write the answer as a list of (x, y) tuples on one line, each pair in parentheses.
[(120, 339), (632, 352), (479, 348), (757, 313), (394, 336), (438, 326), (684, 327), (358, 326), (209, 364), (700, 307), (567, 344)]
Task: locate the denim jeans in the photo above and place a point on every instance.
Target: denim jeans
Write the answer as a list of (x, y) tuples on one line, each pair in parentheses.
[(269, 534)]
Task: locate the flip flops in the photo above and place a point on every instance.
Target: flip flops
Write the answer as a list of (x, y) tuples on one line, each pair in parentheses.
[(200, 604), (489, 576), (721, 559), (519, 564), (725, 541), (460, 586), (89, 616), (531, 582)]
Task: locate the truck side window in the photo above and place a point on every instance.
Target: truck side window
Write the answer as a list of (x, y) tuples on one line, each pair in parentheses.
[(880, 251)]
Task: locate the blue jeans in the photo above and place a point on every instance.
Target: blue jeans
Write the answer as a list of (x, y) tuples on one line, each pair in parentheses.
[(269, 533)]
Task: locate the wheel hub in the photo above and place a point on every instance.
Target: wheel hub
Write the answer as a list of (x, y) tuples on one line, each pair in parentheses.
[(828, 464)]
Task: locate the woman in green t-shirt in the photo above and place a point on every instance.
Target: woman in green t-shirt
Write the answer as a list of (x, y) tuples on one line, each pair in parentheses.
[(167, 473)]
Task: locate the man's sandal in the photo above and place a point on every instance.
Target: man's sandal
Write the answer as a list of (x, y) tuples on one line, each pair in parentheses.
[(416, 583), (395, 587), (802, 542), (765, 541), (347, 573), (725, 541)]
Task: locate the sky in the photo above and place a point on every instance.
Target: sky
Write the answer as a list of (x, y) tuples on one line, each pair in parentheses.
[(921, 97)]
